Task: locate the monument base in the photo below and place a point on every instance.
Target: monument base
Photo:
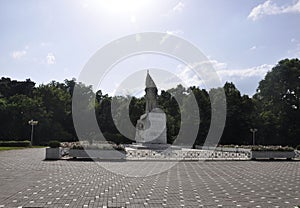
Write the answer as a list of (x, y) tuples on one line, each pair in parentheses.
[(151, 128)]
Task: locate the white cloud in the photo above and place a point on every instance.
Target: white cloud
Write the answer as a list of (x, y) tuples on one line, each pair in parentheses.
[(228, 74), (174, 32), (218, 65), (18, 54), (238, 74), (253, 48), (207, 78), (188, 76), (201, 74), (179, 7), (270, 8), (246, 79), (50, 58), (225, 73)]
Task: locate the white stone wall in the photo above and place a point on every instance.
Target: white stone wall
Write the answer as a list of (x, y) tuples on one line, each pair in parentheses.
[(186, 154)]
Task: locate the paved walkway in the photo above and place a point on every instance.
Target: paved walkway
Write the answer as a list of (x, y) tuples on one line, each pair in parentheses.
[(28, 181)]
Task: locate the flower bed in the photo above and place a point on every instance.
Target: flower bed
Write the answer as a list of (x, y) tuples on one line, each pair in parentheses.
[(272, 152), (97, 153), (101, 151), (272, 148)]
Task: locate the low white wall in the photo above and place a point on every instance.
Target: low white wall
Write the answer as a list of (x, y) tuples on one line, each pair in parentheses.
[(185, 154)]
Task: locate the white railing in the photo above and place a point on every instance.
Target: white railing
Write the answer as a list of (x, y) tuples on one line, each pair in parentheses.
[(142, 154), (297, 153)]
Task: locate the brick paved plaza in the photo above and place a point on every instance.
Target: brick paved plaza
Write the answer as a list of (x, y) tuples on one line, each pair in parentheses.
[(28, 181)]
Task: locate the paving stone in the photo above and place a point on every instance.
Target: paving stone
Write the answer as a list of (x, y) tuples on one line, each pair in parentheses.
[(26, 180)]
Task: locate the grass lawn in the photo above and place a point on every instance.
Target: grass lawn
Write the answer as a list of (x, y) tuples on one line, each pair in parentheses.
[(10, 148), (15, 148)]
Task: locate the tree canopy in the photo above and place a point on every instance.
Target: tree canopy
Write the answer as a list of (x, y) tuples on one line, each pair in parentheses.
[(273, 110), (278, 100)]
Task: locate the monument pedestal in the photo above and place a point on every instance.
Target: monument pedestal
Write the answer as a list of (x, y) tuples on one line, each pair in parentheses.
[(151, 128)]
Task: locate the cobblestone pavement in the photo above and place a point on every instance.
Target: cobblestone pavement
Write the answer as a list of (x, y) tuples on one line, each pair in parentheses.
[(28, 181)]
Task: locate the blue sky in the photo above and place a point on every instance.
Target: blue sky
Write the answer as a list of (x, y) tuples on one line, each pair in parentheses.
[(53, 40)]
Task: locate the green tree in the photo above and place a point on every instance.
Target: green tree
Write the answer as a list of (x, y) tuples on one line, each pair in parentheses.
[(10, 87), (279, 97), (169, 101), (203, 100), (238, 117), (57, 102), (19, 110)]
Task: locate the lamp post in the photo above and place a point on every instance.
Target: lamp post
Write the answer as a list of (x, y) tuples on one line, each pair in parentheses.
[(253, 135), (32, 123)]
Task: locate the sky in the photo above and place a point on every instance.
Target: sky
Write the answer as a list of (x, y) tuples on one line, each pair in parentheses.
[(53, 40)]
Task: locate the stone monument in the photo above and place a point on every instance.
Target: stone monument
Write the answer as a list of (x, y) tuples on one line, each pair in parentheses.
[(151, 127)]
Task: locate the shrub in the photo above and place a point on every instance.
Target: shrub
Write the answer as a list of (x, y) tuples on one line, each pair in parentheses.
[(15, 143), (272, 148), (54, 144), (106, 146), (119, 147), (91, 147), (77, 146)]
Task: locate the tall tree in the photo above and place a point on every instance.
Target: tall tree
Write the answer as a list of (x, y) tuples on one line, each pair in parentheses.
[(10, 87), (238, 118), (202, 98), (279, 95)]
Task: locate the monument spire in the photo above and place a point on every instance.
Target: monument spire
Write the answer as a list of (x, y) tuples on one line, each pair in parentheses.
[(151, 94), (149, 81)]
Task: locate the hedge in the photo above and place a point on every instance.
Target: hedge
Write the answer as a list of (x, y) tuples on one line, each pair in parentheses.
[(15, 144), (272, 148), (54, 144)]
